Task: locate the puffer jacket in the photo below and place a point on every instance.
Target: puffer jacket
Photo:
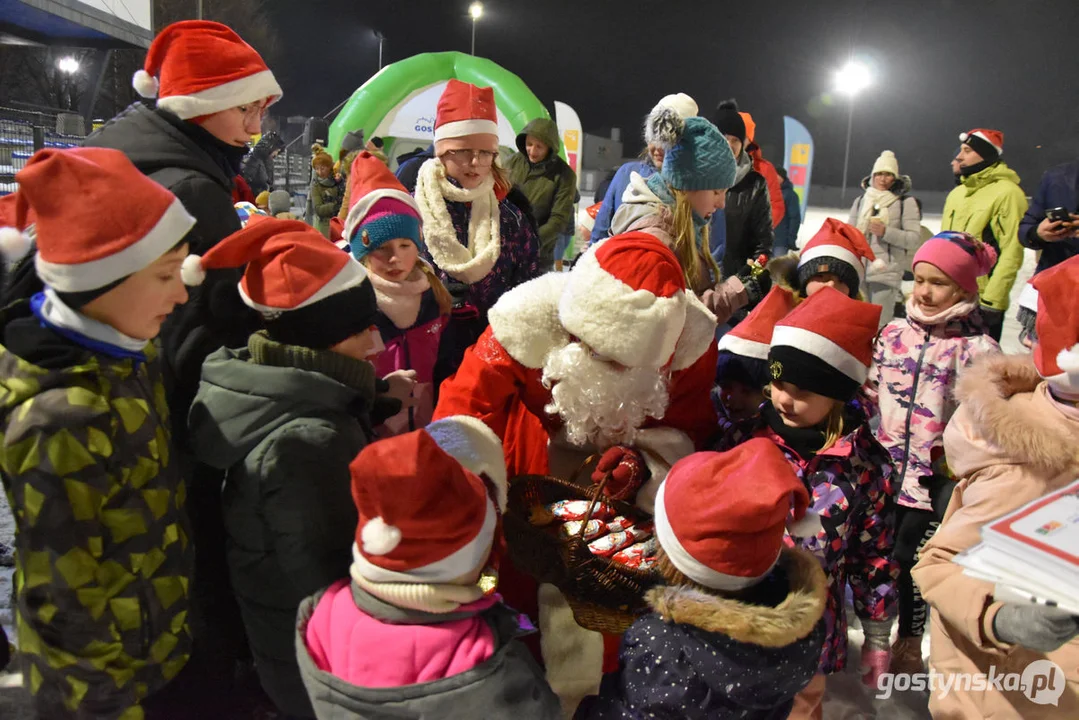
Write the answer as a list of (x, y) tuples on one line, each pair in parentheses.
[(750, 232), (1009, 443), (850, 487), (916, 364), (462, 665), (284, 422), (990, 205), (704, 656), (550, 185), (902, 234), (103, 556)]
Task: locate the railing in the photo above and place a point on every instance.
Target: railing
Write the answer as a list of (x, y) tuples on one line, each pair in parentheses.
[(22, 133)]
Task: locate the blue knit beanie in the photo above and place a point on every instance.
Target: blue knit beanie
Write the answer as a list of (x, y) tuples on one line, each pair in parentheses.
[(700, 160)]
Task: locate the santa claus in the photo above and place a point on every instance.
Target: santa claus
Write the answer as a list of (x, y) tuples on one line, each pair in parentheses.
[(616, 358)]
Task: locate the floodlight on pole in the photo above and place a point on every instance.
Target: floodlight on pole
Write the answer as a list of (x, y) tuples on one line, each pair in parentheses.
[(476, 11), (67, 65), (381, 39), (850, 80)]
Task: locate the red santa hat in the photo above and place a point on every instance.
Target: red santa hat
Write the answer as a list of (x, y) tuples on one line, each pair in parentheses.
[(379, 206), (720, 517), (626, 300), (987, 143), (424, 515), (586, 216), (825, 345), (465, 109), (310, 292), (198, 67), (81, 248), (753, 336), (1056, 353), (16, 234), (837, 248)]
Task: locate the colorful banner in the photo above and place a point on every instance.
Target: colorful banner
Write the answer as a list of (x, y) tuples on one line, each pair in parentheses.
[(798, 158), (569, 125)]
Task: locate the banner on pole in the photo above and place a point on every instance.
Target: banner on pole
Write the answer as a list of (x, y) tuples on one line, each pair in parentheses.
[(569, 128), (798, 158)]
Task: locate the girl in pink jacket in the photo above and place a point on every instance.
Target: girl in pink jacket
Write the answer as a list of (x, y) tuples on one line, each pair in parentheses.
[(382, 229), (916, 366), (418, 629)]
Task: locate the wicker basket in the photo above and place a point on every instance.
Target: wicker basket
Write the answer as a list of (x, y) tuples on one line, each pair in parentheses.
[(606, 596)]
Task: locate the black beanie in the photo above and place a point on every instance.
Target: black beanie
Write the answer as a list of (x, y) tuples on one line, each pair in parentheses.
[(749, 371), (825, 264), (729, 120), (333, 319)]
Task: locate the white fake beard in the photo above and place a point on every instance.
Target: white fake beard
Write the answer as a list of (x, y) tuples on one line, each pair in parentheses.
[(600, 403)]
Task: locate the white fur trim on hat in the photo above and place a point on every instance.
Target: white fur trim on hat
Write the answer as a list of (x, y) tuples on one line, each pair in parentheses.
[(232, 94), (744, 347), (379, 538), (14, 243), (349, 276), (689, 565), (525, 321), (835, 251), (468, 558), (461, 128), (170, 229), (819, 346), (474, 445), (1065, 384), (358, 212), (145, 84), (661, 448), (1028, 297)]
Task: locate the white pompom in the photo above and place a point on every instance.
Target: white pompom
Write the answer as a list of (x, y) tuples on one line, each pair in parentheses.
[(192, 272), (13, 243), (145, 84), (1068, 359), (379, 538), (807, 527)]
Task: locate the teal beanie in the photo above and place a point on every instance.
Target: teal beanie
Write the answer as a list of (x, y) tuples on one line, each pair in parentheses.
[(700, 160)]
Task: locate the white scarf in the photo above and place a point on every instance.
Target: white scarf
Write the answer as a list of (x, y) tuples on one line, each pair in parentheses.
[(426, 597), (881, 199), (400, 300), (59, 314), (467, 264)]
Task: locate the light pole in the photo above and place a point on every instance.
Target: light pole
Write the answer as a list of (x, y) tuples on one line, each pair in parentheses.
[(476, 11), (67, 65), (851, 79), (381, 38)]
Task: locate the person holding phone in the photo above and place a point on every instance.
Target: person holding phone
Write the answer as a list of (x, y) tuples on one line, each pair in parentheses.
[(1051, 224)]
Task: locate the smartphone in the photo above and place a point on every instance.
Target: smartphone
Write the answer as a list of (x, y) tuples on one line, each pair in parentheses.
[(1058, 214)]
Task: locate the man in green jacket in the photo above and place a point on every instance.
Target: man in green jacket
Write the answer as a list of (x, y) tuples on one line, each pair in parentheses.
[(989, 204), (548, 182)]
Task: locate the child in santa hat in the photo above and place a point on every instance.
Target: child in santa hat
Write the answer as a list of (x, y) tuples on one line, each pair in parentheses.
[(103, 558), (383, 232), (819, 357), (418, 629), (1013, 439), (326, 190), (916, 366), (283, 417), (736, 629), (837, 257)]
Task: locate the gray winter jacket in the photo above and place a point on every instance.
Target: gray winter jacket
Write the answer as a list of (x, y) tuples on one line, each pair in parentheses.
[(902, 235)]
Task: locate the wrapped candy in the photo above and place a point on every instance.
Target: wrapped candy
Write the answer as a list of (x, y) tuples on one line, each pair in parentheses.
[(635, 555), (619, 524), (577, 509), (592, 530), (608, 545)]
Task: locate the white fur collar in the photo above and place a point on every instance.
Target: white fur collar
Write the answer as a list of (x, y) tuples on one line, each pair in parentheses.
[(400, 300)]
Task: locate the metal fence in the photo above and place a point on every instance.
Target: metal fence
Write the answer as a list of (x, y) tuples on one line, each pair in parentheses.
[(22, 133)]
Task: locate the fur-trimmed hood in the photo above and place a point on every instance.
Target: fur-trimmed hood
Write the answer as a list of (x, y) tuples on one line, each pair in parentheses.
[(1008, 417), (774, 627)]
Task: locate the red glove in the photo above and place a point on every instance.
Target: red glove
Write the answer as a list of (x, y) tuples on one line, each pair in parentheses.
[(874, 664), (627, 469)]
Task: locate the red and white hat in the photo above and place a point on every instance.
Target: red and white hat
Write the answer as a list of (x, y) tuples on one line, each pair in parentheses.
[(81, 248), (753, 336), (198, 67), (372, 182), (626, 300), (825, 345), (836, 240), (291, 269), (719, 527), (465, 109), (16, 234), (1056, 353), (586, 216), (425, 516), (987, 143)]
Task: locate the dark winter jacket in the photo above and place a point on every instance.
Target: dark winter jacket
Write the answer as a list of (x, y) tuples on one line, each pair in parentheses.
[(259, 169), (787, 231), (749, 222), (285, 423), (409, 164), (550, 185), (104, 560), (1059, 188), (198, 169), (699, 655), (326, 199)]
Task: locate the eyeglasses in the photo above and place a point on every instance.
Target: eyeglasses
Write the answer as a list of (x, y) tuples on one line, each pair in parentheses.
[(467, 157)]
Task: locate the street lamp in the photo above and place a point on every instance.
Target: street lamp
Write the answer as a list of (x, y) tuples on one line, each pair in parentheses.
[(381, 38), (476, 11), (67, 65), (850, 80)]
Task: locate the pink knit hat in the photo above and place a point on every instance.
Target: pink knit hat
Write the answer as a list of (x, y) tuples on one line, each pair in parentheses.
[(959, 256)]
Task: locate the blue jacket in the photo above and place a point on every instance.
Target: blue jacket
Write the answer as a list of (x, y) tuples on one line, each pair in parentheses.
[(613, 198), (1059, 188)]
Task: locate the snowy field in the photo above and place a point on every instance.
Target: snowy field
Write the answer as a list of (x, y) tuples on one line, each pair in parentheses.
[(846, 698)]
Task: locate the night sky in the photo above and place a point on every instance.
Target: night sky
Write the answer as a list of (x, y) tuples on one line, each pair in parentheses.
[(940, 67)]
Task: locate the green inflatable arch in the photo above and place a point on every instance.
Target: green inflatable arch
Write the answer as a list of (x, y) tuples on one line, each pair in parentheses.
[(392, 85)]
